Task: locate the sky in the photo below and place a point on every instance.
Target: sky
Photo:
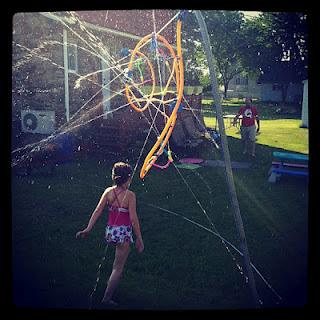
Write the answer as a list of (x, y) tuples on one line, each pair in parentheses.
[(250, 14)]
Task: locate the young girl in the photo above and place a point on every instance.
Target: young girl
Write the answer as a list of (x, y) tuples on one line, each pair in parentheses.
[(122, 220)]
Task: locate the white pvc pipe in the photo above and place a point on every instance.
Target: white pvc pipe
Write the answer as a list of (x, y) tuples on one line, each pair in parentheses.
[(66, 74)]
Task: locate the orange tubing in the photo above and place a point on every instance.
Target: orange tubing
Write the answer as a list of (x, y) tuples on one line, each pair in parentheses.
[(163, 139), (128, 87)]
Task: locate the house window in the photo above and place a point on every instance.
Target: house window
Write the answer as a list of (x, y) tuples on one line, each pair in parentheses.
[(72, 57), (242, 81), (276, 87)]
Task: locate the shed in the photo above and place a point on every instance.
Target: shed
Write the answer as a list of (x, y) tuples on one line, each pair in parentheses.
[(304, 113)]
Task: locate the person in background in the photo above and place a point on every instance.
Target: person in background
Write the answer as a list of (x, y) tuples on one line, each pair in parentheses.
[(248, 128)]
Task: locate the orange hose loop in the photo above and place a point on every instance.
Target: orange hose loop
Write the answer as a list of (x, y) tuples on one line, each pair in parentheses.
[(128, 90), (177, 70)]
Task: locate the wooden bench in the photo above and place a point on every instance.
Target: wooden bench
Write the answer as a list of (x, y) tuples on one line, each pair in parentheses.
[(289, 164)]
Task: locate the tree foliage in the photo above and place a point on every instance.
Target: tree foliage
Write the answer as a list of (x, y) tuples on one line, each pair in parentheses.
[(275, 46), (225, 39)]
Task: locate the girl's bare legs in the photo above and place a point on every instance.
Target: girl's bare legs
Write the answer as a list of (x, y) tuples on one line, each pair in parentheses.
[(121, 255)]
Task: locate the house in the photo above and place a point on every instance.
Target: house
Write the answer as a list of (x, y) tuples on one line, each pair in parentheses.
[(273, 91), (282, 83), (264, 89), (241, 86), (55, 59)]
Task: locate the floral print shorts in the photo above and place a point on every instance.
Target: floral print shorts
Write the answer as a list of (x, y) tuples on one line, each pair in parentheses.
[(119, 234)]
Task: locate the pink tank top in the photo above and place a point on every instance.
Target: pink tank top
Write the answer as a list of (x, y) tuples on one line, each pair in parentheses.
[(118, 216)]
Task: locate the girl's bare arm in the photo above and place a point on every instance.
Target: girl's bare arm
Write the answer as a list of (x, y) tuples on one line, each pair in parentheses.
[(95, 215)]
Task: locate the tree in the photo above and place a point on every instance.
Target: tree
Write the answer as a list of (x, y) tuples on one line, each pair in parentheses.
[(225, 37), (275, 46)]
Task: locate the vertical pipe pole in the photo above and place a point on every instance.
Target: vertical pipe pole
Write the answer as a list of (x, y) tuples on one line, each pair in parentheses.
[(106, 89), (66, 74), (226, 155)]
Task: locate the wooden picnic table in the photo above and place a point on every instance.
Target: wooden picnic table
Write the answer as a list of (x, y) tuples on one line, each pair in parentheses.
[(230, 118)]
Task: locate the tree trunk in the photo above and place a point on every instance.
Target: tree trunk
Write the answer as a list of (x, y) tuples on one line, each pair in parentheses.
[(226, 86)]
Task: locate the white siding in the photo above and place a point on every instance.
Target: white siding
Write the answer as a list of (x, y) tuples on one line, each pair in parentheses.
[(304, 115), (270, 93)]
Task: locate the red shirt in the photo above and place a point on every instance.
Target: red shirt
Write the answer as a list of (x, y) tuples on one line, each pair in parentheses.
[(248, 115)]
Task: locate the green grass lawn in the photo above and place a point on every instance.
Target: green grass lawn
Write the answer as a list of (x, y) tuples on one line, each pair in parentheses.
[(278, 133), (277, 129), (183, 266)]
